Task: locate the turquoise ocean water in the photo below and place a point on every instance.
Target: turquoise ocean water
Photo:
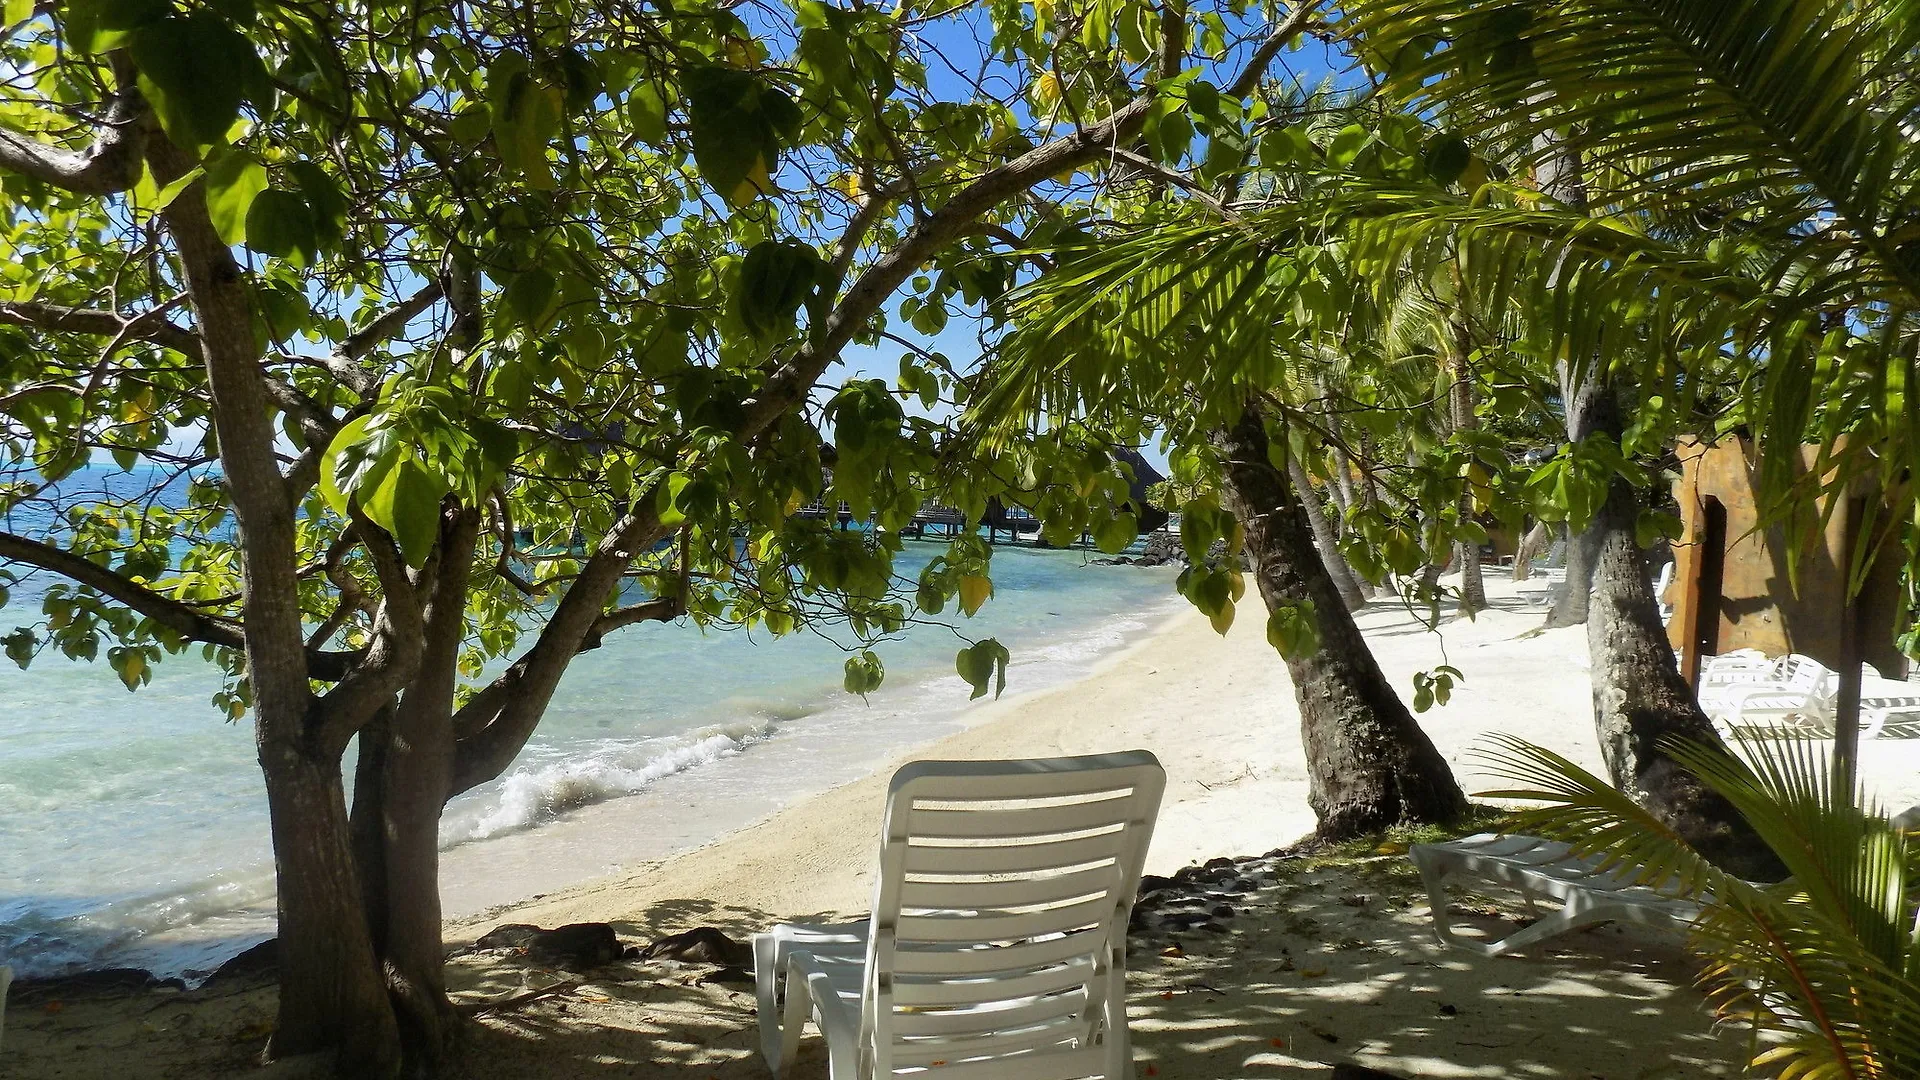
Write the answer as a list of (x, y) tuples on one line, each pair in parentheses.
[(133, 827)]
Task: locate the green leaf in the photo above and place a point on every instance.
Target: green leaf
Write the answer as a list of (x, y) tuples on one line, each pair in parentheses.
[(165, 196), (1294, 630), (864, 673), (328, 205), (647, 113), (668, 495), (281, 224), (352, 433), (975, 590), (929, 598), (981, 663), (530, 299), (407, 504), (1113, 534), (234, 179), (775, 279), (20, 646), (737, 122), (195, 71), (131, 665), (1446, 158), (1347, 145), (97, 26), (526, 118)]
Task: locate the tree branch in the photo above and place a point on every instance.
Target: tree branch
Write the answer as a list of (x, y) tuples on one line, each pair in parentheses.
[(492, 727), (151, 326), (501, 717), (344, 362), (108, 166), (181, 618)]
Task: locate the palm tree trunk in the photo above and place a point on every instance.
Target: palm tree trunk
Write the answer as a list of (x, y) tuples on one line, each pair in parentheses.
[(1639, 695), (1369, 765), (1344, 579), (1473, 590)]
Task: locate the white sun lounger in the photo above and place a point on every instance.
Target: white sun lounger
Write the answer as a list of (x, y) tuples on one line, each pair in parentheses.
[(1794, 692), (1889, 708), (1539, 868), (997, 944)]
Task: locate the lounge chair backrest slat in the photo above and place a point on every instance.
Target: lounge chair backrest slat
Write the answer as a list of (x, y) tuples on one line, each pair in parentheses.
[(998, 932)]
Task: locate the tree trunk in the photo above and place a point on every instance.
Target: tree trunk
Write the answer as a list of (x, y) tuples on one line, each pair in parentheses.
[(1473, 590), (330, 996), (330, 992), (1369, 765), (1345, 581), (1639, 696), (1570, 606), (1587, 400), (416, 778), (1537, 540)]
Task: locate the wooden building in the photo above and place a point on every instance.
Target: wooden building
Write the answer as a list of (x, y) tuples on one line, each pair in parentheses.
[(1731, 588)]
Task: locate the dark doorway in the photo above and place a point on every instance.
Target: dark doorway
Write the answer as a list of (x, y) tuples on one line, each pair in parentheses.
[(1712, 564)]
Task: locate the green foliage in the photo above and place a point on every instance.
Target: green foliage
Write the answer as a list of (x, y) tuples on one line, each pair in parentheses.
[(1827, 962), (1294, 630), (864, 673), (775, 279), (981, 663), (1743, 244), (739, 123), (1434, 687)]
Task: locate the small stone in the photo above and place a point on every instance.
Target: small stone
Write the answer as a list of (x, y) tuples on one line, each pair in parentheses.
[(1222, 911), (1448, 1010)]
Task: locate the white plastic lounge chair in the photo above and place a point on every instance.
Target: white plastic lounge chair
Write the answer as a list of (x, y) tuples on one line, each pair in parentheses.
[(997, 944), (1541, 868), (1795, 693), (1889, 708)]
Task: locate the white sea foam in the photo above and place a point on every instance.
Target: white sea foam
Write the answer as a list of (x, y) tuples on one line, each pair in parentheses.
[(537, 792)]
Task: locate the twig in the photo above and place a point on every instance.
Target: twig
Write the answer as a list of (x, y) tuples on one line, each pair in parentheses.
[(522, 999)]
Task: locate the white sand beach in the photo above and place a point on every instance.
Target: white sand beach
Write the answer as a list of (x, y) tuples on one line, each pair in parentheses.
[(1322, 963)]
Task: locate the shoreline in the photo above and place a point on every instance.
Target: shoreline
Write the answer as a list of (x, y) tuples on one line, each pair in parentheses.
[(1322, 961), (952, 714), (1220, 713), (1234, 788)]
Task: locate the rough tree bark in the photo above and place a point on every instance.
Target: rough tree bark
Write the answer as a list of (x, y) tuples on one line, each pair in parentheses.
[(331, 994), (1344, 579), (1369, 765), (1639, 696)]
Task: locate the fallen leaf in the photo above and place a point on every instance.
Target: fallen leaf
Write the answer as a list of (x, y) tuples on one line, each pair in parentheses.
[(1312, 973), (52, 1007), (1173, 950)]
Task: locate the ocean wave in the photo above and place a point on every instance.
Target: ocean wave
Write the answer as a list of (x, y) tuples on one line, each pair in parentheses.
[(178, 932), (534, 794)]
